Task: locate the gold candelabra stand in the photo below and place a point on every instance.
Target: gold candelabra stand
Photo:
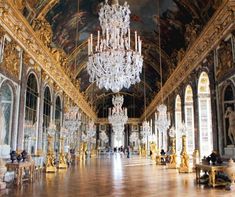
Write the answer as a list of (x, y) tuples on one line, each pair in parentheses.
[(50, 165), (153, 149), (173, 157), (62, 159), (184, 165)]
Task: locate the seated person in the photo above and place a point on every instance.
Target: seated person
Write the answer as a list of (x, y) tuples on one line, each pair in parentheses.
[(162, 152)]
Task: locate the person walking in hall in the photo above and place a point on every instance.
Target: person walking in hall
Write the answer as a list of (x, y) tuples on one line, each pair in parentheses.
[(128, 151)]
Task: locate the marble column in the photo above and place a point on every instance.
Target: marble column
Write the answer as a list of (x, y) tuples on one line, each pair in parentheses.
[(196, 115), (40, 118)]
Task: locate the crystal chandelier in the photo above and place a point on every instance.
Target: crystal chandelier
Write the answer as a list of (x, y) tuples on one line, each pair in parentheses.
[(172, 132), (134, 137), (29, 128), (90, 133), (72, 119), (146, 130), (118, 115), (52, 128), (113, 64), (162, 119)]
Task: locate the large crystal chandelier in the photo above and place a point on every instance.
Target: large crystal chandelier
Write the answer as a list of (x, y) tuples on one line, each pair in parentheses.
[(72, 119), (118, 115), (134, 137), (113, 64), (146, 130), (162, 119), (90, 133)]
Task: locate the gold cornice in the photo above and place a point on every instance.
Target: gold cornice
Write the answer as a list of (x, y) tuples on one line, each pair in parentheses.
[(17, 26), (130, 121), (222, 22)]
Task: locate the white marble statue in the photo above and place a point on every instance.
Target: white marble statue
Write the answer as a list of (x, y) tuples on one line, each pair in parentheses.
[(230, 114)]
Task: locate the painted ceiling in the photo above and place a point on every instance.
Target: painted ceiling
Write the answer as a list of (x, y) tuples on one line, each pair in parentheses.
[(72, 21)]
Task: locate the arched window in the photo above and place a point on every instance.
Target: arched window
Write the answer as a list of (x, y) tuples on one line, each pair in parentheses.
[(46, 114), (204, 104), (31, 99), (58, 118), (6, 94), (189, 119), (228, 103), (178, 121), (31, 114)]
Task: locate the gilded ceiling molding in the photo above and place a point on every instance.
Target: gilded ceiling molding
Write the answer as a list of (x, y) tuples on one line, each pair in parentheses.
[(222, 22), (47, 8), (130, 121), (17, 26)]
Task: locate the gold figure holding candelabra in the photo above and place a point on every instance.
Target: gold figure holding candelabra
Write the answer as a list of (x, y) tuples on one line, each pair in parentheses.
[(184, 166), (173, 157), (62, 159), (50, 164), (153, 150)]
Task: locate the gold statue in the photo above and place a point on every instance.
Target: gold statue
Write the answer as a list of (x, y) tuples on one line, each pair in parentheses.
[(173, 157), (184, 166), (62, 160), (153, 150), (50, 164)]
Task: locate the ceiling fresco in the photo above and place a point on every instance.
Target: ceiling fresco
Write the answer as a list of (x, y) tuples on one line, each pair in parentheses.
[(181, 21)]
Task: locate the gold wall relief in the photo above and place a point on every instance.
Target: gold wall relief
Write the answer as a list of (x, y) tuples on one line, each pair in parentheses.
[(225, 58), (43, 30), (11, 60)]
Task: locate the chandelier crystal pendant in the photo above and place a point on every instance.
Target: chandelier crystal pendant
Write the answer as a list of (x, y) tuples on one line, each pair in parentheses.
[(113, 64)]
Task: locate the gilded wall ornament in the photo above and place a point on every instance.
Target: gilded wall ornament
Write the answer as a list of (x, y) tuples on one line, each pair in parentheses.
[(225, 59), (11, 60)]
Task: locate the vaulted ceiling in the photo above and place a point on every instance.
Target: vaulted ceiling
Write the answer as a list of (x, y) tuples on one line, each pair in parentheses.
[(181, 21)]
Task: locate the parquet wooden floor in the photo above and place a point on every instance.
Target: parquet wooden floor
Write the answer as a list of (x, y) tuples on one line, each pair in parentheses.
[(117, 177)]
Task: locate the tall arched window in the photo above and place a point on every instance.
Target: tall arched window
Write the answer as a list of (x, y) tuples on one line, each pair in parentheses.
[(58, 118), (178, 121), (228, 102), (31, 99), (189, 119), (204, 104), (46, 113), (6, 105), (31, 113)]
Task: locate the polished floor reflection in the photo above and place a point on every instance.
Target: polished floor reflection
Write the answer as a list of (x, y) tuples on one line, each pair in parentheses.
[(116, 177)]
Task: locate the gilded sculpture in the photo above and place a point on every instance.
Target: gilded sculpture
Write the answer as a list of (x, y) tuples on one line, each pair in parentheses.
[(43, 30), (11, 60), (225, 59), (184, 165), (173, 156)]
